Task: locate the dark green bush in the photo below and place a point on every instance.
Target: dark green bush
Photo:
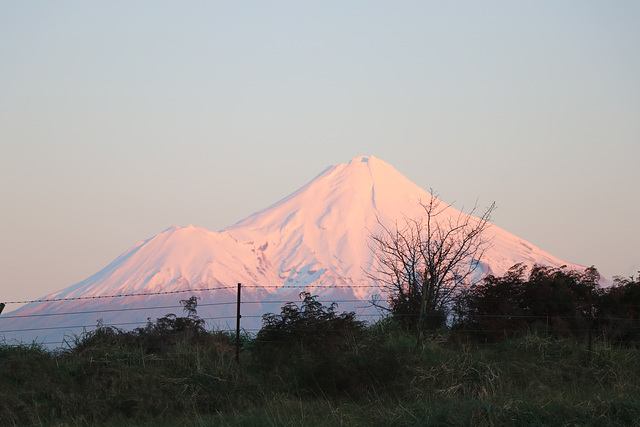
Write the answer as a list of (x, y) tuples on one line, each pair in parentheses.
[(165, 332), (619, 312), (553, 301), (313, 349)]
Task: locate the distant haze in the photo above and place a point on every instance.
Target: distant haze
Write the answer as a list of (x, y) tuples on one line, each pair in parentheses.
[(120, 119), (317, 239)]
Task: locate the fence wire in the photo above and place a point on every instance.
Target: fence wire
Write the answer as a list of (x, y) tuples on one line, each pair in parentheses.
[(214, 320)]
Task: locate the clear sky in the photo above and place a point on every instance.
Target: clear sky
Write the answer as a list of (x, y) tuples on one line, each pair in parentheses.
[(121, 118)]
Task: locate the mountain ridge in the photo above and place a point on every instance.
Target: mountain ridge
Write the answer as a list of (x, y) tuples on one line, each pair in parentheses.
[(316, 239)]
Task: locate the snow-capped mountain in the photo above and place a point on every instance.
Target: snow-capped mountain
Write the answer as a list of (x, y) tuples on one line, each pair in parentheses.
[(315, 239)]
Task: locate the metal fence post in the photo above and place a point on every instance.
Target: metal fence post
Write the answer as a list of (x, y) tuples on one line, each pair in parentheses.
[(238, 325)]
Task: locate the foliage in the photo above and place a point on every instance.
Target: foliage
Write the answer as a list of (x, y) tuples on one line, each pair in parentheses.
[(312, 325), (531, 380), (310, 365), (550, 300), (166, 331), (311, 344), (426, 261), (619, 311)]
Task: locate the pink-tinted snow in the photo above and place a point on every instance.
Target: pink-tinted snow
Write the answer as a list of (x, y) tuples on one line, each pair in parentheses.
[(315, 238)]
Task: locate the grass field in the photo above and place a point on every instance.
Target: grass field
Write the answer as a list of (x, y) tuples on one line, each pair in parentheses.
[(378, 378)]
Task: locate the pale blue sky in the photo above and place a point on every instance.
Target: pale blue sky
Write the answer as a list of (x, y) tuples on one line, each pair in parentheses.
[(119, 119)]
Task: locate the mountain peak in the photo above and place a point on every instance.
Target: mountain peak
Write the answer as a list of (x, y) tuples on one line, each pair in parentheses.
[(369, 161), (360, 173), (315, 239), (364, 159)]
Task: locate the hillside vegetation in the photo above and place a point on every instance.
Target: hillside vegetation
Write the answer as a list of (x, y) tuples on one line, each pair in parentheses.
[(310, 365)]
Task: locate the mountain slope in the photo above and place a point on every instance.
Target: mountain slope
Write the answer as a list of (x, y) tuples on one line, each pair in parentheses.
[(316, 238)]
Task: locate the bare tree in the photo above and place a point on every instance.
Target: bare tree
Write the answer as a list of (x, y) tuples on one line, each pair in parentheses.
[(424, 262)]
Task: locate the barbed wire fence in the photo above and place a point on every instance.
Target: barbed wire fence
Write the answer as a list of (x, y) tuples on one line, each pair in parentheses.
[(215, 321)]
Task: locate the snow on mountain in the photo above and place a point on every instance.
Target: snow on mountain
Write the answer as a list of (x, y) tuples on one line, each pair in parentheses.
[(316, 238)]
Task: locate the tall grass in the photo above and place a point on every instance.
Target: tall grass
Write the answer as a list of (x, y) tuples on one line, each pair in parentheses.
[(378, 378)]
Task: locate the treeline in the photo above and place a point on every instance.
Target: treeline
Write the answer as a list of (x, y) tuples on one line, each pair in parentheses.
[(544, 300)]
